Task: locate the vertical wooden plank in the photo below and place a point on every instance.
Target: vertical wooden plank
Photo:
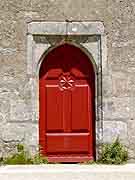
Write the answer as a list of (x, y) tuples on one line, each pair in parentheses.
[(54, 104), (42, 120), (80, 109), (67, 110)]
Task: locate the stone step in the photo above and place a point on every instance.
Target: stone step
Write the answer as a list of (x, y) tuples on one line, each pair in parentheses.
[(68, 172)]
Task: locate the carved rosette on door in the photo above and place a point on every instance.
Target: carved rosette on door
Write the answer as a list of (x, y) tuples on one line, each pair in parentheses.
[(66, 81)]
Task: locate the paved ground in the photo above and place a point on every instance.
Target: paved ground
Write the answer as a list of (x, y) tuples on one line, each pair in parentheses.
[(68, 172)]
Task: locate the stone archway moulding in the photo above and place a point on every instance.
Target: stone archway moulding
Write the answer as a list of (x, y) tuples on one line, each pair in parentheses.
[(88, 36)]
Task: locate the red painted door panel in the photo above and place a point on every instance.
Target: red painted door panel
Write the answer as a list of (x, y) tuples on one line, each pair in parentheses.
[(80, 114), (68, 143), (53, 109), (66, 91)]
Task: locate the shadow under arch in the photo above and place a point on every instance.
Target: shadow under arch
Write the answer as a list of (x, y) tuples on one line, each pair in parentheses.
[(77, 46)]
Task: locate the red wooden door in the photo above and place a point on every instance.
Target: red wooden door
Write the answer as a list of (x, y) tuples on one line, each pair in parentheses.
[(66, 91)]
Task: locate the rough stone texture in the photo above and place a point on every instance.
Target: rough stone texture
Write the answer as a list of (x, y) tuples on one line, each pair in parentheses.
[(118, 70), (114, 129)]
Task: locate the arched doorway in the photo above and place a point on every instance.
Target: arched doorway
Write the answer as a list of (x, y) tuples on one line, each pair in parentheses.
[(67, 105)]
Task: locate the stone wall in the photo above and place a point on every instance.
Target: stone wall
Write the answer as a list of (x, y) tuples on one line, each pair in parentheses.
[(118, 77)]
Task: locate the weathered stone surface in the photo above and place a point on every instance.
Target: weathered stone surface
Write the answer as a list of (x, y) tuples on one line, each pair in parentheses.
[(118, 69), (120, 84), (31, 136), (4, 105), (20, 111), (13, 132), (71, 28), (131, 127), (117, 108), (107, 85), (114, 129)]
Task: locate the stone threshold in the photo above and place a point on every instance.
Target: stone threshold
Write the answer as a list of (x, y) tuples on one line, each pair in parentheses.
[(67, 172)]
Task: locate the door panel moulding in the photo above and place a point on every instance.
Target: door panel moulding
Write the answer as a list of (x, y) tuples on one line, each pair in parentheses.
[(42, 37)]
